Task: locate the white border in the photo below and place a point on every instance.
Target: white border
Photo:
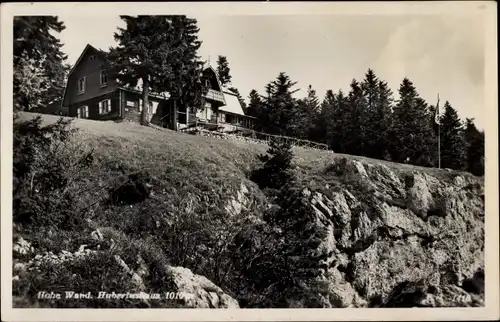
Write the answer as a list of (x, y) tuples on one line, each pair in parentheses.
[(487, 9)]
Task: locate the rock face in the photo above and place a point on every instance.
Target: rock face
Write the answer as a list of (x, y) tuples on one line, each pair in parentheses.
[(202, 293), (413, 241)]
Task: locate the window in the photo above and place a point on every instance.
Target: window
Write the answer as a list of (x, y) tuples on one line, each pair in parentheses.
[(208, 111), (92, 57), (104, 78), (81, 85), (221, 117), (83, 112), (105, 106)]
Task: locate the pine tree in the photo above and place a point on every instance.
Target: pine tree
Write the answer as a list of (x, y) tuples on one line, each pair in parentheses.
[(159, 51), (376, 115), (280, 106), (277, 165), (40, 66), (453, 147), (356, 133), (411, 135), (382, 122), (337, 137), (308, 108), (298, 262), (297, 235), (223, 70), (475, 148), (185, 85), (321, 119), (254, 104)]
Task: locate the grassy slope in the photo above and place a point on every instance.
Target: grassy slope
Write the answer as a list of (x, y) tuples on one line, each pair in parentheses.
[(140, 146)]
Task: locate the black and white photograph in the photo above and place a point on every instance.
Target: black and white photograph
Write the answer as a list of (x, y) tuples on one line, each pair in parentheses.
[(281, 158)]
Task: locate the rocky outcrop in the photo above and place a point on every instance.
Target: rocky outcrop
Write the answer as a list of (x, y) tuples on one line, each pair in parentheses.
[(415, 240), (202, 293), (241, 201)]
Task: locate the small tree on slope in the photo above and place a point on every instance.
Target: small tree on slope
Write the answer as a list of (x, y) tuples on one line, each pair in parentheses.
[(296, 239)]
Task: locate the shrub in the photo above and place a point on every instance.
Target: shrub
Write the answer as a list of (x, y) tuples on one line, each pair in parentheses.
[(94, 273), (136, 188), (46, 172)]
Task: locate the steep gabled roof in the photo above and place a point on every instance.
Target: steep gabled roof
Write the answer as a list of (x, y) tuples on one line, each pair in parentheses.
[(232, 104), (209, 67), (84, 52)]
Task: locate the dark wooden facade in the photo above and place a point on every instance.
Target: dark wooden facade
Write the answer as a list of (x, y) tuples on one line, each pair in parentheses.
[(93, 92)]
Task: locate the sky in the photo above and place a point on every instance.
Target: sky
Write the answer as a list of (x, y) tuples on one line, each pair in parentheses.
[(440, 54)]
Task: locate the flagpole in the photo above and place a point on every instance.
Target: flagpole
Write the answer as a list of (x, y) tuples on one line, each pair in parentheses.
[(439, 146), (439, 135)]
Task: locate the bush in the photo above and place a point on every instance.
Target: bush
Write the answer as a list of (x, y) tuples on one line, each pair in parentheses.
[(136, 188), (46, 174), (94, 273)]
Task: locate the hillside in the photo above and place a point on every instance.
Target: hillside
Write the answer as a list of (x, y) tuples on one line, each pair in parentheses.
[(398, 235)]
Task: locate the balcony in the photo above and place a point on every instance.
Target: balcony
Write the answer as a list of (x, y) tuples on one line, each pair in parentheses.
[(215, 95)]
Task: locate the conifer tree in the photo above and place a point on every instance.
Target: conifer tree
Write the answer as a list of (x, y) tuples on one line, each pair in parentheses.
[(256, 109), (411, 135), (298, 264), (382, 121), (297, 236), (40, 67), (277, 165), (308, 108), (321, 119), (337, 136), (355, 120), (185, 84), (161, 52), (223, 70), (280, 106), (376, 115), (475, 148), (254, 103), (453, 147)]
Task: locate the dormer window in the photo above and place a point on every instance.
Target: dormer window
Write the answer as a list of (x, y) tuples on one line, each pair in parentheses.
[(81, 85), (104, 78)]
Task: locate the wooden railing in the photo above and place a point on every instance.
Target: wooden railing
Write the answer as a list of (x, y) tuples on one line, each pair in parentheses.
[(248, 134), (215, 95)]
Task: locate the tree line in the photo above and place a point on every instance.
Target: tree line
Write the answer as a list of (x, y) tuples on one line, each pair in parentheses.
[(162, 53), (368, 121)]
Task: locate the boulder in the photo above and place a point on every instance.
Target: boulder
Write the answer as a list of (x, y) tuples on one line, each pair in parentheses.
[(200, 292)]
